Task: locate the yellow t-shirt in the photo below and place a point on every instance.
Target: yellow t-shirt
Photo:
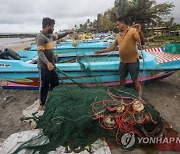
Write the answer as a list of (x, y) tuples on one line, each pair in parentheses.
[(84, 37), (128, 51)]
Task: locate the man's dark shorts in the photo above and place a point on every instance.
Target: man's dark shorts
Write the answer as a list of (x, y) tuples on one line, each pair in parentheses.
[(132, 68)]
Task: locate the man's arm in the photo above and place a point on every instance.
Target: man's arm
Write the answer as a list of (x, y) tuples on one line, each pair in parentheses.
[(111, 48), (61, 35), (139, 39), (40, 41), (41, 48)]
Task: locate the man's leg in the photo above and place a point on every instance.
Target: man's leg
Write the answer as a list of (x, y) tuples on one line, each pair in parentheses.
[(44, 86), (54, 80), (137, 85), (122, 82), (123, 71), (134, 72)]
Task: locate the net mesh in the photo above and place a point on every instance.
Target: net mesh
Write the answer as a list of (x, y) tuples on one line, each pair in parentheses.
[(75, 117)]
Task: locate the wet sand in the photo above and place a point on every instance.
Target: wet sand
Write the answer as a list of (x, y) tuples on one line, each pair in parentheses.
[(21, 46)]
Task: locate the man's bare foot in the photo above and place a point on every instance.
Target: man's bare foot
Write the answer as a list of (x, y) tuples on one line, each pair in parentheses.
[(41, 107)]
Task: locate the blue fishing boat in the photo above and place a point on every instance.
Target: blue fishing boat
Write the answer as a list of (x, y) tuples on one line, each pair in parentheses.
[(81, 48), (87, 70)]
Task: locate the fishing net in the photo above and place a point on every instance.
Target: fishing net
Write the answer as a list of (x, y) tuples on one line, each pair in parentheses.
[(75, 117)]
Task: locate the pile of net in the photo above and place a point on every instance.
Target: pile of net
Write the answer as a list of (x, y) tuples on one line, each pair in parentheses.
[(76, 117)]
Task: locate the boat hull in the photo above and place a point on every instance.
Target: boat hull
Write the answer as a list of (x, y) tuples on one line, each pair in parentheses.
[(89, 71), (8, 84), (95, 78)]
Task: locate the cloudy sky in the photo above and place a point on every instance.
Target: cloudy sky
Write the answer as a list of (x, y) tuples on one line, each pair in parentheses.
[(17, 16)]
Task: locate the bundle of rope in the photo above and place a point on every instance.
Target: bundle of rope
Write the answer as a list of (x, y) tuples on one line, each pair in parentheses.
[(126, 114)]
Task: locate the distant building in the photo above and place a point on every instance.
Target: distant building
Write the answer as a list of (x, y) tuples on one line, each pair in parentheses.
[(159, 30), (176, 33)]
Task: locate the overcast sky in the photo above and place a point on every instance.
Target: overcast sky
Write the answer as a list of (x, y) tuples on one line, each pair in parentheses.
[(26, 15)]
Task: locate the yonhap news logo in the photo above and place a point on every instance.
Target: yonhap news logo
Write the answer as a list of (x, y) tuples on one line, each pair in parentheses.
[(128, 140)]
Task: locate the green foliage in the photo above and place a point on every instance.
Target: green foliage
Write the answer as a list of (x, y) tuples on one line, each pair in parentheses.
[(143, 11), (167, 38), (122, 7), (146, 12)]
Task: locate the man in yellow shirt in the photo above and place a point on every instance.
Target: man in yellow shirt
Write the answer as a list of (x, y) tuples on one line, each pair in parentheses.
[(84, 37), (127, 40)]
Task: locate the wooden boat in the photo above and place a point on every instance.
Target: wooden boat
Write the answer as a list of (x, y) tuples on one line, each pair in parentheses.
[(81, 48), (87, 70)]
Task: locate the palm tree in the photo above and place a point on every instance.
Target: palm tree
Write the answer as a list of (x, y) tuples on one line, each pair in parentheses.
[(171, 21), (143, 11), (122, 7)]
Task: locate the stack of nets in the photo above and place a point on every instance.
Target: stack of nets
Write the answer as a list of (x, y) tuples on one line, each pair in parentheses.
[(76, 117)]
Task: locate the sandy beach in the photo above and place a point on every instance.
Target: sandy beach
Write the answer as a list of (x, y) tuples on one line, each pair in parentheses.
[(163, 94)]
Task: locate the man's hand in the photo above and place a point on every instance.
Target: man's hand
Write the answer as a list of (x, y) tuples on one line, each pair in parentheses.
[(98, 52), (50, 66), (138, 27)]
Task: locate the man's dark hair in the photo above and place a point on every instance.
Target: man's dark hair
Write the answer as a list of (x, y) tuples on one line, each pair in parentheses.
[(123, 20), (47, 21)]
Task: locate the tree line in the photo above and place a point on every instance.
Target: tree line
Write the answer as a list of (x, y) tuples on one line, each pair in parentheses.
[(146, 12)]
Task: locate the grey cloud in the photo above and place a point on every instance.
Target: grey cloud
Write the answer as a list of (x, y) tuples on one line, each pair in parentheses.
[(56, 8), (67, 13)]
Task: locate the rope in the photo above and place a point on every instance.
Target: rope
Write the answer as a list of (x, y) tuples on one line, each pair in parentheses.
[(119, 114), (59, 71)]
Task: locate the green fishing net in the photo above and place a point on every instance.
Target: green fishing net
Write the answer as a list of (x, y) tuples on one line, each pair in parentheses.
[(75, 117)]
